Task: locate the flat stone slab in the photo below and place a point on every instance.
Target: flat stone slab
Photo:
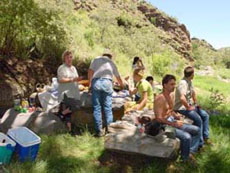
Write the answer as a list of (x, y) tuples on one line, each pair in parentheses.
[(39, 122), (126, 137)]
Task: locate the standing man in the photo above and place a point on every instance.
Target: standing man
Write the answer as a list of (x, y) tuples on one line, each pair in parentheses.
[(100, 77), (186, 104), (189, 135)]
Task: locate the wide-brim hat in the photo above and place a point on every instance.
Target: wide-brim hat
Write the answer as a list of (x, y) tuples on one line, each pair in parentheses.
[(107, 52)]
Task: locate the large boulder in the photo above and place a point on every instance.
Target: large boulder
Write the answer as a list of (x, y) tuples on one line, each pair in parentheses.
[(84, 116), (126, 137), (47, 123), (39, 122)]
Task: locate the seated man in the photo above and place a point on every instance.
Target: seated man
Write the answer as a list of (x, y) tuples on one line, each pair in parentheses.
[(186, 104), (189, 135), (144, 89)]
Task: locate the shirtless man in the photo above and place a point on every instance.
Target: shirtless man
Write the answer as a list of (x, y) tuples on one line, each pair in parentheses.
[(189, 135)]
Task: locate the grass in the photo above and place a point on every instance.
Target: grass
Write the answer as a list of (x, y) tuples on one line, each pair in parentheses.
[(85, 153)]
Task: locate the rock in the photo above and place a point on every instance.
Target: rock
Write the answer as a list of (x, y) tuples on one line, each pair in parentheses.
[(180, 37), (84, 116), (127, 138), (12, 119), (39, 122), (47, 123), (6, 97)]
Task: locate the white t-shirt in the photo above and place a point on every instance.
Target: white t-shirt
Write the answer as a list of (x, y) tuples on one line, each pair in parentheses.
[(103, 67), (71, 88)]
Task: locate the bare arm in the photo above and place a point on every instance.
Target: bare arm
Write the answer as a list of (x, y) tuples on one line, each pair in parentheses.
[(159, 107), (90, 76), (194, 97), (185, 103), (143, 101), (120, 81), (132, 91)]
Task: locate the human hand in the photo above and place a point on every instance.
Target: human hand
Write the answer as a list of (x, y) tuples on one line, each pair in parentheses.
[(191, 108), (66, 111), (178, 124)]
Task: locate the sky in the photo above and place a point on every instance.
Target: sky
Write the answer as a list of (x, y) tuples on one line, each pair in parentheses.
[(205, 19)]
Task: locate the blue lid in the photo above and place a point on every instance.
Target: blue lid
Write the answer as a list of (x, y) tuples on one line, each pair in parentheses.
[(24, 136)]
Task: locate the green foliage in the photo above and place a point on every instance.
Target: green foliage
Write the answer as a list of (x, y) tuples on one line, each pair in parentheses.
[(123, 20), (153, 20), (24, 26), (216, 98), (163, 63)]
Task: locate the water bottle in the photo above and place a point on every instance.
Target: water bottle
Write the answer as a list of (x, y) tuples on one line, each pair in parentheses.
[(54, 83)]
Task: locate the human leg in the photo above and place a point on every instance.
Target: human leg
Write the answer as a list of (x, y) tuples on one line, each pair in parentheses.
[(185, 143), (205, 117), (194, 131), (197, 121), (96, 94)]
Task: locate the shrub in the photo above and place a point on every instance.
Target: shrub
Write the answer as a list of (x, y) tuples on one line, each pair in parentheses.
[(216, 99), (24, 25)]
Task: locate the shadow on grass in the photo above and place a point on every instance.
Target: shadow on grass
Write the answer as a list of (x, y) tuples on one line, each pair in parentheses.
[(129, 162), (222, 121), (216, 162)]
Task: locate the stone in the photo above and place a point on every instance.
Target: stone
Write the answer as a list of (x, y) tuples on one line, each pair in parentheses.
[(13, 118), (126, 137), (39, 122), (47, 123)]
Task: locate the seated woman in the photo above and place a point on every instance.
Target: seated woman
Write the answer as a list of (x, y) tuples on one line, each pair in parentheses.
[(145, 90), (68, 83)]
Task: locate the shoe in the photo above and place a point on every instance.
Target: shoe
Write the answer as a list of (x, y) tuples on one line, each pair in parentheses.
[(201, 149), (72, 133), (192, 159), (207, 141), (99, 134)]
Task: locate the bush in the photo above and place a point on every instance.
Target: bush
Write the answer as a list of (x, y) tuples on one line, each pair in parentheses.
[(24, 26), (216, 99)]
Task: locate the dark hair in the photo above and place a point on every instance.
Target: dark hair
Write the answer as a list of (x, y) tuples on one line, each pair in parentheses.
[(149, 78), (108, 55), (167, 78), (188, 71), (135, 59)]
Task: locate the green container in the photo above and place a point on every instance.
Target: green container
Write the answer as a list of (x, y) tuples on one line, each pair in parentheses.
[(7, 146)]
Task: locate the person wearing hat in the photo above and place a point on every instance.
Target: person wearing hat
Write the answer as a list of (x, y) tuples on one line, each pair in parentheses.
[(144, 88), (100, 75), (186, 104)]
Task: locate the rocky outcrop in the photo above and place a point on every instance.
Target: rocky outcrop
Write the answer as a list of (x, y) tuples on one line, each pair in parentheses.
[(179, 35), (204, 43), (18, 78)]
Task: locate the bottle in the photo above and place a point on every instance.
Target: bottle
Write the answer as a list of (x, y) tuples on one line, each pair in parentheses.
[(17, 102)]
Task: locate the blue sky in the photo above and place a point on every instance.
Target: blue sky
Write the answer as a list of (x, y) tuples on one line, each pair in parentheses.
[(205, 19)]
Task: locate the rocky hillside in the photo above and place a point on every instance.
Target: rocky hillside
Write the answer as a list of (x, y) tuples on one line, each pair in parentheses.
[(128, 27), (205, 54), (176, 34)]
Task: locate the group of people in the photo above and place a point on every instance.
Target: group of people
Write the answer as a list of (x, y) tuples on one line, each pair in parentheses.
[(168, 107)]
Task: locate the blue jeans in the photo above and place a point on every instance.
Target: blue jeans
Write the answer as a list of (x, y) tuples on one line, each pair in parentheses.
[(189, 136), (102, 89), (201, 119)]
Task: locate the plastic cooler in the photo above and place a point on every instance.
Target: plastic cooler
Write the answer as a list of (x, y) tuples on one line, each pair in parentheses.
[(27, 143), (7, 147)]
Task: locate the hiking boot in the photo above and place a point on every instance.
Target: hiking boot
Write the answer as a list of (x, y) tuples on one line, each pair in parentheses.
[(201, 149), (99, 134), (192, 160), (207, 141), (72, 133)]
